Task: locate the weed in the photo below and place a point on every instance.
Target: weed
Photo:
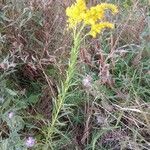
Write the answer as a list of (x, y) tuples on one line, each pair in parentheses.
[(63, 89)]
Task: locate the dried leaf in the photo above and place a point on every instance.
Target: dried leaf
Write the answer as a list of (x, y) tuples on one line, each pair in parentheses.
[(137, 59), (85, 56)]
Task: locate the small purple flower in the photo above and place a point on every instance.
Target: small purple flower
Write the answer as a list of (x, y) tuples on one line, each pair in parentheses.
[(30, 142), (87, 81), (10, 115)]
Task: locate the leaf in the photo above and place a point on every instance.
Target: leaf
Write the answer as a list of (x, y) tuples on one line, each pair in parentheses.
[(11, 92), (33, 99), (24, 21), (4, 145)]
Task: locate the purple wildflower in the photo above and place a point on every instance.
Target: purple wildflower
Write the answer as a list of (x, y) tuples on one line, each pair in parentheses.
[(10, 115), (30, 142), (87, 81)]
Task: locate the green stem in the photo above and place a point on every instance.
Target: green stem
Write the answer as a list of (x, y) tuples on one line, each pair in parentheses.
[(67, 83)]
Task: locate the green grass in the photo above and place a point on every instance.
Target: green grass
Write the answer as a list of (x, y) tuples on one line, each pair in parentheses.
[(50, 102)]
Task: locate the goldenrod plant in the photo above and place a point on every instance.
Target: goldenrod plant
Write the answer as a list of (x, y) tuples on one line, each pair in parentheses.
[(79, 16)]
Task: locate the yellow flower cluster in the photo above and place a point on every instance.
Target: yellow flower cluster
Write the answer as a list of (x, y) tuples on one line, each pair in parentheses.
[(93, 16), (76, 13), (97, 28)]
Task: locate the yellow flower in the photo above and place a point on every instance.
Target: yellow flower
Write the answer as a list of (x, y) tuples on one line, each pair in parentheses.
[(105, 6), (97, 28), (93, 16), (97, 13), (76, 13)]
